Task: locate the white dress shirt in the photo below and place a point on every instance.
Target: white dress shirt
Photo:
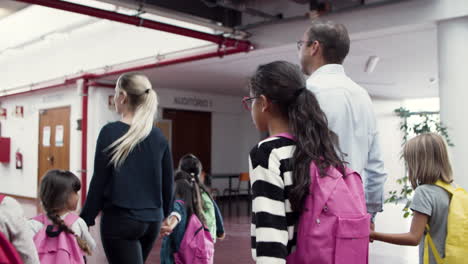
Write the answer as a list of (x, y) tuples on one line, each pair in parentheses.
[(350, 115)]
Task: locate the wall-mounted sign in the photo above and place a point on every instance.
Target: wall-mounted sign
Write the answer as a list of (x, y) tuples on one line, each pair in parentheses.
[(3, 113), (19, 111), (193, 101), (59, 136), (46, 136)]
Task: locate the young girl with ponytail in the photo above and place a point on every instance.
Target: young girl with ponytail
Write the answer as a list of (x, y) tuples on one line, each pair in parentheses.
[(280, 166), (59, 197), (132, 180), (188, 201), (214, 220)]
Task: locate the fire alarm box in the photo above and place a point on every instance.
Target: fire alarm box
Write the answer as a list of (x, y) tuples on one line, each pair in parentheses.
[(19, 160), (3, 113), (5, 145)]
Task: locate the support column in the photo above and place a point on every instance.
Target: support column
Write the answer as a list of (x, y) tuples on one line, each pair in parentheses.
[(453, 90)]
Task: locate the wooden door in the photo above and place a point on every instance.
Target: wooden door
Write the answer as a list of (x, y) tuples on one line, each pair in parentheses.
[(166, 128), (191, 133), (54, 140)]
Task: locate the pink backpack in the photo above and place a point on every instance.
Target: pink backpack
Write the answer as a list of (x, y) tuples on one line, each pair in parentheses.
[(8, 253), (334, 227), (197, 246), (60, 249)]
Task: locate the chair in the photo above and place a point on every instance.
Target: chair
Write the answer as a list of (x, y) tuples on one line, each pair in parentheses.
[(205, 178), (244, 179)]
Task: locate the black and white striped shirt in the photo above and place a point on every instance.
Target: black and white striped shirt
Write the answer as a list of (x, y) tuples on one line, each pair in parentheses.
[(273, 231)]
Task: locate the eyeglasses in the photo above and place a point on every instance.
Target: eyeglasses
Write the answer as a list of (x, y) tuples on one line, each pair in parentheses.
[(245, 102), (302, 42)]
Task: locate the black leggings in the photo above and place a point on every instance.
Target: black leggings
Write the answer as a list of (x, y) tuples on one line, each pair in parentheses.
[(127, 241)]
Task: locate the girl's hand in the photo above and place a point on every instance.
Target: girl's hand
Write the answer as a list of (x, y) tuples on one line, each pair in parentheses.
[(222, 236), (165, 231), (168, 226)]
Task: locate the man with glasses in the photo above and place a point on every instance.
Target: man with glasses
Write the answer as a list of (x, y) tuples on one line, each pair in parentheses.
[(347, 105)]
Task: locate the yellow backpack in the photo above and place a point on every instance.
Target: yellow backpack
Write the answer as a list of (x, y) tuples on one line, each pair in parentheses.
[(456, 244)]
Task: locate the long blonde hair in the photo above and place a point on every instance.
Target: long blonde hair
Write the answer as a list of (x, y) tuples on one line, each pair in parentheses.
[(143, 101), (427, 159)]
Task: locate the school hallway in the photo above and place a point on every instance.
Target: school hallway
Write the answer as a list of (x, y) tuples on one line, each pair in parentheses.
[(235, 248), (61, 62)]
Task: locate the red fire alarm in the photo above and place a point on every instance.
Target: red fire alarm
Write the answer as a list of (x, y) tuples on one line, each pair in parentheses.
[(3, 113), (5, 145), (19, 111), (19, 160)]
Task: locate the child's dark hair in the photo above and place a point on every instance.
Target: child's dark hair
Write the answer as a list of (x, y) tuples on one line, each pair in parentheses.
[(55, 190), (193, 166), (284, 85), (187, 189)]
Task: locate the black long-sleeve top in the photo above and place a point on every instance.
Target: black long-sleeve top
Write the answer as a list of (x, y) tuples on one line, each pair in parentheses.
[(142, 187)]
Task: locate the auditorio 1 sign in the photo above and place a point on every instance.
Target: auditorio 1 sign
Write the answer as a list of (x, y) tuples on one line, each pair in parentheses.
[(193, 101)]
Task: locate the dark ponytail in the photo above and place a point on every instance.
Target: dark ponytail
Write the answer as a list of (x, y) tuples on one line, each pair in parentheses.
[(187, 189), (283, 84), (55, 190), (193, 166)]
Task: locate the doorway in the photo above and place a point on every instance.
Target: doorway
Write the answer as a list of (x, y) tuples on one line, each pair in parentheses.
[(191, 133), (54, 140)]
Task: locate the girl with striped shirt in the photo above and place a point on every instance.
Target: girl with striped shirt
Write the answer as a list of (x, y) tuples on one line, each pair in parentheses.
[(279, 166)]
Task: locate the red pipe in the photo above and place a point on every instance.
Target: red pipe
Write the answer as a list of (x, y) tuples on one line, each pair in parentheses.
[(137, 21), (84, 141), (198, 57), (101, 84)]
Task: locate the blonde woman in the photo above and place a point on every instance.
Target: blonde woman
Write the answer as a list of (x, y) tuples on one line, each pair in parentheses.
[(132, 183), (428, 162)]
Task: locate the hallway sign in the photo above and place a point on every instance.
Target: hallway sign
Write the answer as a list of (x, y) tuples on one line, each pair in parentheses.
[(193, 101), (59, 136), (46, 136)]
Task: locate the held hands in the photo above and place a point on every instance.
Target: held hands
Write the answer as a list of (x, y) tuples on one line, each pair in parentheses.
[(168, 226)]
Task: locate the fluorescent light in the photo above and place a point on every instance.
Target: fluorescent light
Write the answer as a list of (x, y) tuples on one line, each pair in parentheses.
[(371, 64)]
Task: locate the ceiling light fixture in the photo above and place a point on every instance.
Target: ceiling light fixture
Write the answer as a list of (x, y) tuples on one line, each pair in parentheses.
[(371, 64)]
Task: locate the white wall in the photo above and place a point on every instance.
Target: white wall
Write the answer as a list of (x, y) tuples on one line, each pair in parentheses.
[(24, 134), (98, 116), (390, 140)]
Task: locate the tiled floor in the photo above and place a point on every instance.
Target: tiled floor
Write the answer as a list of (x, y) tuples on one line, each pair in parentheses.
[(235, 249)]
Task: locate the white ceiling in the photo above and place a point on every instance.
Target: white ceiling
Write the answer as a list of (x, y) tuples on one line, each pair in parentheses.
[(408, 60)]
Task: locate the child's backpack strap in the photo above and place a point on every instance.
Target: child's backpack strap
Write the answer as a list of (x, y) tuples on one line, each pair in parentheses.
[(42, 218), (70, 219)]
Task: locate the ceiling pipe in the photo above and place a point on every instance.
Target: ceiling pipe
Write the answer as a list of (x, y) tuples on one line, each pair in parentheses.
[(138, 21)]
